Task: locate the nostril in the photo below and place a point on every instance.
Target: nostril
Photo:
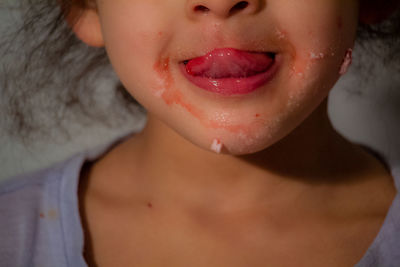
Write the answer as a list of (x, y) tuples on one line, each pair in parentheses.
[(238, 7), (201, 9)]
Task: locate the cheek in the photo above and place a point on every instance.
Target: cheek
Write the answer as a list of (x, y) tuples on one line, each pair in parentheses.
[(318, 55), (133, 49), (316, 35)]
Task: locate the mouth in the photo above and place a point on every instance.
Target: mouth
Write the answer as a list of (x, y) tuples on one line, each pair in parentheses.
[(228, 71)]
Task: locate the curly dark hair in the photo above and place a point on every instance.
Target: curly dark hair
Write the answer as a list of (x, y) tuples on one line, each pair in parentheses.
[(49, 77)]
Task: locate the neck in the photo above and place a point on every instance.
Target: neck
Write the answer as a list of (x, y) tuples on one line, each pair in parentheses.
[(312, 154)]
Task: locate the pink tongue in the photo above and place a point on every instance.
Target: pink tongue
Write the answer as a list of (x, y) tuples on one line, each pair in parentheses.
[(229, 62)]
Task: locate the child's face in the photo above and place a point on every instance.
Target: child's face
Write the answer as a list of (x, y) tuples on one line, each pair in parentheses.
[(148, 41)]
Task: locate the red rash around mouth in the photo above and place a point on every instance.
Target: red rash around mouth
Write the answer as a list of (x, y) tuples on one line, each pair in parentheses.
[(171, 96)]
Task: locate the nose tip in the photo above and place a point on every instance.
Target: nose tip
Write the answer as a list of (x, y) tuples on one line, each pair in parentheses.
[(221, 8)]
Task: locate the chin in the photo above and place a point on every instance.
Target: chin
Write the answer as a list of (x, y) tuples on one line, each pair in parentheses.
[(245, 147), (237, 144)]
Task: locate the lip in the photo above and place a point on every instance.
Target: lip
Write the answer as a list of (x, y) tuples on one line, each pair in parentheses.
[(259, 69)]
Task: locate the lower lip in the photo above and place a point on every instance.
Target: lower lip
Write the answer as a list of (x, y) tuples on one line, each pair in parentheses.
[(233, 86)]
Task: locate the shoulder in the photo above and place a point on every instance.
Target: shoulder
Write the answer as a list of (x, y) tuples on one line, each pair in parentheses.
[(40, 222), (28, 189), (30, 208), (24, 192), (385, 251)]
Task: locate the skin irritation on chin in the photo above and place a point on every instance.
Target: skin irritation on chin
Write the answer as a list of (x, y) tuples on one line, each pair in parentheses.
[(171, 95)]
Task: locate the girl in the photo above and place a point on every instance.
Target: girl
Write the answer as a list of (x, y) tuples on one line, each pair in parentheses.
[(238, 164)]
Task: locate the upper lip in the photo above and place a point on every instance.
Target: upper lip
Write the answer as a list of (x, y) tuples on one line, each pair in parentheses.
[(268, 53), (188, 58)]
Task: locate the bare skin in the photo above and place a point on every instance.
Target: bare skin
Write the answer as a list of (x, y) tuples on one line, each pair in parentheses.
[(288, 191), (312, 199)]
